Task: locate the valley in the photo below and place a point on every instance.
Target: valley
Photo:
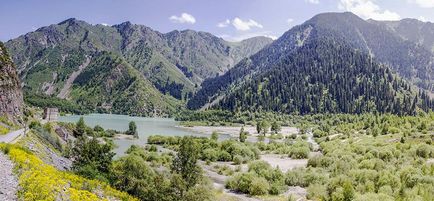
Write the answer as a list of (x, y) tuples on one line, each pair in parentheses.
[(338, 107)]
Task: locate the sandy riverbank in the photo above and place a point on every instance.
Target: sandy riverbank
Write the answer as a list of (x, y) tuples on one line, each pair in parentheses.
[(123, 137), (234, 131)]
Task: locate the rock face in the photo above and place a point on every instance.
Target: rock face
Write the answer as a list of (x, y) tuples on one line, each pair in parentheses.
[(11, 97)]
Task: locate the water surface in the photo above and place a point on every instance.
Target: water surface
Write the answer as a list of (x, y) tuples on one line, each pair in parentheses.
[(145, 126)]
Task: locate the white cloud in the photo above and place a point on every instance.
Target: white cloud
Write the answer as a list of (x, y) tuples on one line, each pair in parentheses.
[(241, 25), (244, 36), (313, 1), (105, 24), (422, 18), (224, 23), (367, 9), (184, 18), (289, 21), (423, 3)]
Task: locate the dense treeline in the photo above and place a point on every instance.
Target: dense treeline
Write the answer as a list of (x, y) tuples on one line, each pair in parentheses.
[(326, 76), (172, 88), (48, 101)]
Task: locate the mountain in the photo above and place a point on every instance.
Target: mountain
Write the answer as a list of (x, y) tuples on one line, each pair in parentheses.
[(183, 57), (421, 33), (50, 59), (11, 98), (334, 62), (109, 83)]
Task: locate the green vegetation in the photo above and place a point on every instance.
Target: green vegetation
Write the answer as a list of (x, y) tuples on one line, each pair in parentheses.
[(132, 129), (357, 164), (158, 72), (263, 127), (260, 179), (91, 158), (211, 150), (243, 135), (39, 181), (129, 93), (64, 106), (317, 78), (180, 180)]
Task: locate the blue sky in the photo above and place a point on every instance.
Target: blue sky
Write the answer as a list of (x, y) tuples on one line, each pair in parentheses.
[(230, 19)]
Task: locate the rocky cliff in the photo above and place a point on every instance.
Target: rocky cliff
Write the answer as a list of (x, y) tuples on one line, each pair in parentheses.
[(11, 97)]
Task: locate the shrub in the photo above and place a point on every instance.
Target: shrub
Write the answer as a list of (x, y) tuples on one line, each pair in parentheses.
[(34, 124), (260, 167), (214, 136), (238, 160), (317, 192), (277, 188), (259, 186), (224, 156), (299, 152), (210, 154), (423, 151), (295, 177)]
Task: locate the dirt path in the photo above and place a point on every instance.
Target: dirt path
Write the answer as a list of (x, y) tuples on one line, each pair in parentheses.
[(64, 93), (8, 138), (8, 181)]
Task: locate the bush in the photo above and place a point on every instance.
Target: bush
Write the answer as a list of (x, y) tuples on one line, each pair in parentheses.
[(259, 186), (277, 188), (210, 154), (423, 151), (34, 124), (299, 152), (260, 167), (317, 192), (224, 156), (238, 160), (295, 177)]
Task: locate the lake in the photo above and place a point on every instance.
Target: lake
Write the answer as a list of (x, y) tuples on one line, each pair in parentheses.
[(146, 126)]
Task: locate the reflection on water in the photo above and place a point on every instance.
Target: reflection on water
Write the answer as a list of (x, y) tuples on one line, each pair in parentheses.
[(145, 127)]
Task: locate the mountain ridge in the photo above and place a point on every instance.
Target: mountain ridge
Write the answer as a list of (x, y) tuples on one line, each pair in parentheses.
[(337, 26), (175, 62)]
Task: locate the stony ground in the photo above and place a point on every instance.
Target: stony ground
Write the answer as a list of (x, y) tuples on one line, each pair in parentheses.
[(8, 181)]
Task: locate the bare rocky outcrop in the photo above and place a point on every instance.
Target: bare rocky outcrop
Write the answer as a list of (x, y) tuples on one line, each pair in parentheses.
[(64, 93), (11, 97)]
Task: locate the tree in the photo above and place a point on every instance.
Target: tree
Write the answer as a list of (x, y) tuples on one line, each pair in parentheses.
[(258, 127), (276, 127), (243, 135), (132, 129), (80, 128), (98, 128), (214, 136), (265, 126), (132, 174), (185, 163), (91, 158), (262, 126)]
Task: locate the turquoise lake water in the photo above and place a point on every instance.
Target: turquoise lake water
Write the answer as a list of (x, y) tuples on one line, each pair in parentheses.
[(145, 127)]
